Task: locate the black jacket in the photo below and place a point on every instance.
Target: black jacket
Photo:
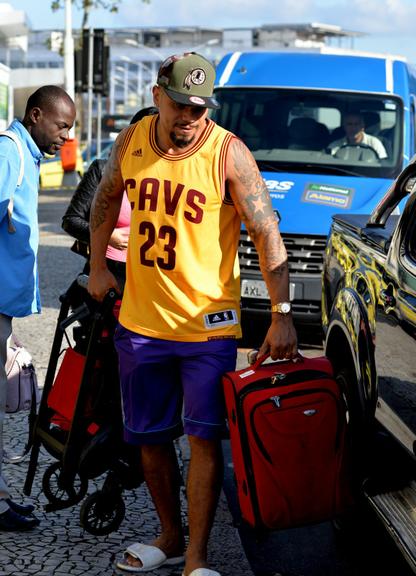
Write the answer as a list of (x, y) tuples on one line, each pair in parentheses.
[(76, 218)]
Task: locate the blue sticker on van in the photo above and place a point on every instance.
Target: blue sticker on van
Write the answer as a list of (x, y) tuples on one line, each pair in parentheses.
[(329, 195)]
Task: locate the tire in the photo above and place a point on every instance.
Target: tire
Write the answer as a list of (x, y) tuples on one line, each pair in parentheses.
[(56, 494), (102, 513), (358, 431)]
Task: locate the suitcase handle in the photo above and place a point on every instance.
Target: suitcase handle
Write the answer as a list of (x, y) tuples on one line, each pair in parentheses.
[(259, 361)]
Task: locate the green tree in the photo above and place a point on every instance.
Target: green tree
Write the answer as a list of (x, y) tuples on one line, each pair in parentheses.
[(88, 5)]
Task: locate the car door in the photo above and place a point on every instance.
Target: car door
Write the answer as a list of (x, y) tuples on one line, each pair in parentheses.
[(395, 348)]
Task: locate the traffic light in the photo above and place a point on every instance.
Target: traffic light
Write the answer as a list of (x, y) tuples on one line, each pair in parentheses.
[(81, 76), (101, 58)]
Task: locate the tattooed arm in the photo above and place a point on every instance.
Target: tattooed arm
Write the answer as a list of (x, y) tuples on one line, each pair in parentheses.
[(105, 209), (252, 202)]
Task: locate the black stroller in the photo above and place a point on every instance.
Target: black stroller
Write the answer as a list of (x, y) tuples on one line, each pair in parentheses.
[(79, 421)]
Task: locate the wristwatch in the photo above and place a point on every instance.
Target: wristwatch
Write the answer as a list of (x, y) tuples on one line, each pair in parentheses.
[(282, 307)]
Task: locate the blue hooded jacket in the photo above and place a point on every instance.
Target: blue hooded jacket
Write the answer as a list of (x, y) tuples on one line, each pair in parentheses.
[(19, 282)]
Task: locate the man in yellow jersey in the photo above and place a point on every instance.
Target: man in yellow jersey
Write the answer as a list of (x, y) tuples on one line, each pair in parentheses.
[(190, 183)]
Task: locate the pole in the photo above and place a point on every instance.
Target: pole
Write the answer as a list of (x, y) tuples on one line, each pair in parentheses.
[(69, 72), (126, 86), (99, 118), (112, 93), (140, 84), (90, 91), (69, 79), (70, 177)]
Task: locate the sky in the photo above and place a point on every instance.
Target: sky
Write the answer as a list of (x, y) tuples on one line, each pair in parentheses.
[(388, 25)]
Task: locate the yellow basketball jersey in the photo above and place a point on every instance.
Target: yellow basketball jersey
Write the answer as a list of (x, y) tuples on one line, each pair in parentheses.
[(183, 278)]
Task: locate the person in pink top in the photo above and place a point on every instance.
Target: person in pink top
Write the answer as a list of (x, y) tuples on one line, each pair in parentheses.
[(117, 248), (76, 218)]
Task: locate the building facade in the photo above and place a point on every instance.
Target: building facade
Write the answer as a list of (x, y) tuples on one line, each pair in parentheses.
[(35, 58)]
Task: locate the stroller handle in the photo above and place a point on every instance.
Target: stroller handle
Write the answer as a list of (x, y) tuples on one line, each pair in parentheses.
[(82, 280)]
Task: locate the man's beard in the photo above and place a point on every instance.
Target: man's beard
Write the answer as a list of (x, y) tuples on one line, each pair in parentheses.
[(181, 142)]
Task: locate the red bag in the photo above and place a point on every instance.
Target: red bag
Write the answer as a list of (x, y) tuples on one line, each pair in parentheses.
[(64, 392), (287, 425)]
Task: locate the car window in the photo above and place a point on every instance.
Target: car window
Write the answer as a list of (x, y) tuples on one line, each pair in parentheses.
[(410, 240), (406, 233)]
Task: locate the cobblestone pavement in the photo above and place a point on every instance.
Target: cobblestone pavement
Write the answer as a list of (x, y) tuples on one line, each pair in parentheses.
[(59, 546)]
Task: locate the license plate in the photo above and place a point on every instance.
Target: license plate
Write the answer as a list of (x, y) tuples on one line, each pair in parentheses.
[(258, 289)]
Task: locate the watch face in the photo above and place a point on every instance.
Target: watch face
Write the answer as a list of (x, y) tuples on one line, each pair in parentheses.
[(285, 307)]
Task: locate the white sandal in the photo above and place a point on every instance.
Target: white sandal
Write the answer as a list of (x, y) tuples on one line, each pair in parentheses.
[(151, 558)]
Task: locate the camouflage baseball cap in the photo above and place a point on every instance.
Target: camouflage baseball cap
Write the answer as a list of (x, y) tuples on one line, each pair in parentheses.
[(188, 79)]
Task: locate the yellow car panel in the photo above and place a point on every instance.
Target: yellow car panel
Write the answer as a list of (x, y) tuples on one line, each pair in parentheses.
[(51, 171)]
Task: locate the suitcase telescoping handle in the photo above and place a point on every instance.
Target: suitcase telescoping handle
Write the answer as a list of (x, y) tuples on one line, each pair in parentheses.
[(257, 362)]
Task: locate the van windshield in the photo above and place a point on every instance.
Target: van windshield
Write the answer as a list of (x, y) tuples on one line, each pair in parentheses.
[(316, 131)]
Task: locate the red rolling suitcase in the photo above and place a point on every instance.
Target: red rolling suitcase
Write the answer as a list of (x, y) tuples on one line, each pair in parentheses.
[(287, 425)]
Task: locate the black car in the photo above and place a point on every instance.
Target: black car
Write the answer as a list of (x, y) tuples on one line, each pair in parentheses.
[(369, 320)]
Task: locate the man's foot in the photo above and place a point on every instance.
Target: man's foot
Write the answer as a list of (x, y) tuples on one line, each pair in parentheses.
[(146, 557), (11, 521), (22, 509)]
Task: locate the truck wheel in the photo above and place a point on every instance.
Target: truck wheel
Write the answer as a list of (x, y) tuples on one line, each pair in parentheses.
[(358, 433)]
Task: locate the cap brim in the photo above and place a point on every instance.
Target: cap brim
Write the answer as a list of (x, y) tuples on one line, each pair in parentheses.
[(201, 101)]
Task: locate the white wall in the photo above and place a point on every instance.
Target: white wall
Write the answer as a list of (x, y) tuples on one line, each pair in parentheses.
[(6, 90), (237, 39), (26, 80)]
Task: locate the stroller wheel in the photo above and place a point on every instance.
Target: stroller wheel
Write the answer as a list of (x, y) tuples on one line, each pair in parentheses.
[(56, 494), (102, 513)]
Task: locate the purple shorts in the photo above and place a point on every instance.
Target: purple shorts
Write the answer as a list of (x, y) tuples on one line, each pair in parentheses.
[(172, 387)]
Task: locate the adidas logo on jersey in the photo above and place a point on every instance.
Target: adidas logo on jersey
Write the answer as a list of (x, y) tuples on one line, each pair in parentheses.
[(222, 318), (137, 152)]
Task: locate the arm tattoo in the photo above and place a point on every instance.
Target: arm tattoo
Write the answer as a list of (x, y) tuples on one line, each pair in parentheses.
[(256, 201), (280, 269), (110, 182), (99, 212), (252, 200)]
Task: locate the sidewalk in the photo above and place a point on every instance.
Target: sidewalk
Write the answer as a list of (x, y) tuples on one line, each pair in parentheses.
[(60, 546)]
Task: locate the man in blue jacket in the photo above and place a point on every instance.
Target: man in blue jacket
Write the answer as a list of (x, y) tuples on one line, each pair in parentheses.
[(49, 116)]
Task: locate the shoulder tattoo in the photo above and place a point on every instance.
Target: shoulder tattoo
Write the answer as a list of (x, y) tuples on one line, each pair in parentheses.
[(257, 211), (255, 196)]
